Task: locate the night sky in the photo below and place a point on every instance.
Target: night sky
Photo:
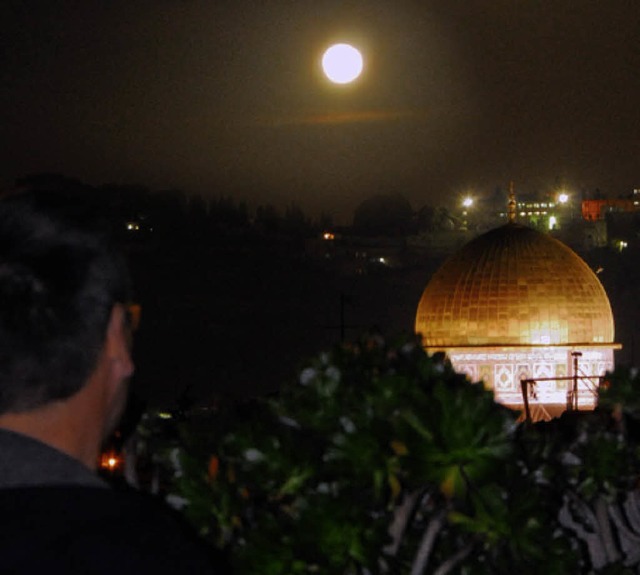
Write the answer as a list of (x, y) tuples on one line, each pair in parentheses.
[(227, 97)]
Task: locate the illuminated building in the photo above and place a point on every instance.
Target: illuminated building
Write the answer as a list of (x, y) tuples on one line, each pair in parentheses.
[(596, 209), (516, 304), (542, 214)]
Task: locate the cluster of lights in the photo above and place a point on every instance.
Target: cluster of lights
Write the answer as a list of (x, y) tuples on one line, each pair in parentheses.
[(542, 209), (536, 205), (536, 213)]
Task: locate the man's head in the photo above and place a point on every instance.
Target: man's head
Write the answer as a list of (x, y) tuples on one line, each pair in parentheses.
[(60, 281)]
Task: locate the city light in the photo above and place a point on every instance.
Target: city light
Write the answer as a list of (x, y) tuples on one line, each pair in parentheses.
[(110, 461), (563, 198), (467, 202)]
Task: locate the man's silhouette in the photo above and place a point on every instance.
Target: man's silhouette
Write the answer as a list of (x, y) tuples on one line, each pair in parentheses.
[(65, 361)]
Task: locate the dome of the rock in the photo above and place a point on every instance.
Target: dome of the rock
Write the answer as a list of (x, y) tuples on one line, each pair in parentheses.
[(524, 314), (514, 286)]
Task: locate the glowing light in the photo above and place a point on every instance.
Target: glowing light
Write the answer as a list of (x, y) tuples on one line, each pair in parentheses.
[(328, 236), (342, 63), (110, 461), (467, 202), (563, 198), (552, 222)]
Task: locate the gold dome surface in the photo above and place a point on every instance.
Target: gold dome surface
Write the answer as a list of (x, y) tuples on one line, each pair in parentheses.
[(514, 286)]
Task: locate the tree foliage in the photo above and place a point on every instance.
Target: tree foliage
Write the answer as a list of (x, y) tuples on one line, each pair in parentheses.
[(383, 215), (381, 459)]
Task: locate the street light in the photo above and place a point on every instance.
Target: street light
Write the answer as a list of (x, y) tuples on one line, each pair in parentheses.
[(467, 202)]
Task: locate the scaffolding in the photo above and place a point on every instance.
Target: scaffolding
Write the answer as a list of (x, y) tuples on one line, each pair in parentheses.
[(588, 384)]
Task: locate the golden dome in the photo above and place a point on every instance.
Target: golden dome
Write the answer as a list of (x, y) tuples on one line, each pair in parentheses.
[(514, 286)]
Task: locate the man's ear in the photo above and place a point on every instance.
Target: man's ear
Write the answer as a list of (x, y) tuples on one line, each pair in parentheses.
[(119, 368), (118, 343)]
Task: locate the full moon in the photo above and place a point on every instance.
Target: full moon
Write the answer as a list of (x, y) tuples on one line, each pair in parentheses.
[(342, 63)]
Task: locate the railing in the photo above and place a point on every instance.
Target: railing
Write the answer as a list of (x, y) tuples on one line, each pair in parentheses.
[(590, 385)]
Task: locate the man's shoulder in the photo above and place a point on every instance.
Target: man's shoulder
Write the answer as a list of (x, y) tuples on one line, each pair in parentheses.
[(26, 461), (93, 530)]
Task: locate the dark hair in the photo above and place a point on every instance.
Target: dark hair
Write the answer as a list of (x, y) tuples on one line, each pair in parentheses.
[(60, 276)]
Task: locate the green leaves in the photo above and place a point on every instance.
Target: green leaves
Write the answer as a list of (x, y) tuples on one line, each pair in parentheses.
[(378, 455)]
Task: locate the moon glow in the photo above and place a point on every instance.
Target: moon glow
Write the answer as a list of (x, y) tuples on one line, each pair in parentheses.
[(342, 63)]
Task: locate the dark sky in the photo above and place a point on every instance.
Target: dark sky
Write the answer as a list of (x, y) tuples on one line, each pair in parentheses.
[(226, 96)]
